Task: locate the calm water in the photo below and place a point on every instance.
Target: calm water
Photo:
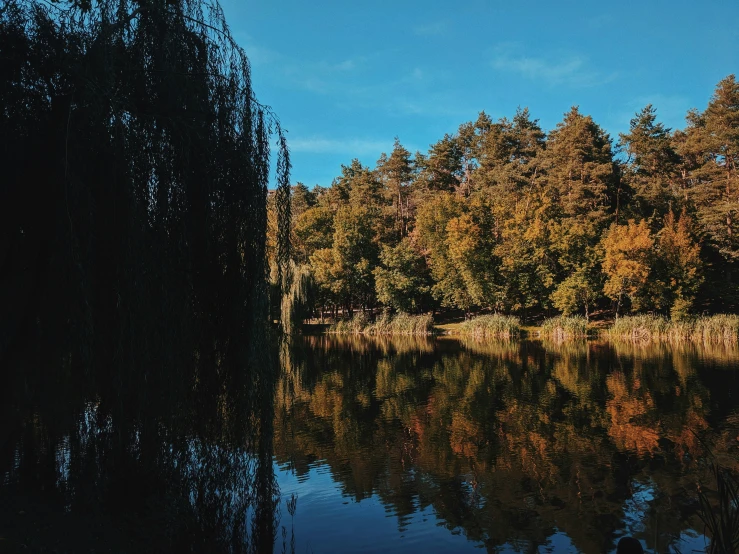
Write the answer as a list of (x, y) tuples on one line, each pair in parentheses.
[(375, 446), (443, 446)]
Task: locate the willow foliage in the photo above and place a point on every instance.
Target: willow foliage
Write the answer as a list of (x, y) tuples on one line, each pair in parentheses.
[(136, 162)]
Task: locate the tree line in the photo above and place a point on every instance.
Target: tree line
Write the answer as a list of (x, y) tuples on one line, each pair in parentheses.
[(503, 216)]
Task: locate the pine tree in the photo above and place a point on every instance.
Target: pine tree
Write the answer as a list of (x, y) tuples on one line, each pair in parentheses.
[(441, 169), (397, 172), (712, 142), (580, 169), (652, 166), (582, 184)]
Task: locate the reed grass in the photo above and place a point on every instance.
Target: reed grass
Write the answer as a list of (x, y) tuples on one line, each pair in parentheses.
[(491, 326), (722, 517), (565, 327), (400, 324), (713, 329)]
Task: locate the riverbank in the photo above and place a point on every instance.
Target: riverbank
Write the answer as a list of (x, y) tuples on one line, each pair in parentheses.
[(639, 328)]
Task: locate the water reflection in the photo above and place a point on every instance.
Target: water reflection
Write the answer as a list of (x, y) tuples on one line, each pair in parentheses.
[(125, 458), (367, 445), (523, 446)]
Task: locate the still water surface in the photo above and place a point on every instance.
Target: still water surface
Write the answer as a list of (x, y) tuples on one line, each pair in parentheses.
[(446, 446), (374, 446)]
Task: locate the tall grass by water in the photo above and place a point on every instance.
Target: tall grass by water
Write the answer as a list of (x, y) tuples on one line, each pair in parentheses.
[(565, 327), (386, 324), (721, 517), (713, 329), (491, 326)]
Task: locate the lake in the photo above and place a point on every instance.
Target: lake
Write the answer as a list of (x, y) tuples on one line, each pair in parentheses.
[(378, 445)]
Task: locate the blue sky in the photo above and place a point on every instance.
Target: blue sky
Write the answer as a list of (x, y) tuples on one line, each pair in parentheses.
[(346, 77)]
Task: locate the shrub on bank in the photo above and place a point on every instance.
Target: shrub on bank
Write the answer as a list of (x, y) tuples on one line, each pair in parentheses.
[(565, 327), (716, 328), (400, 324), (491, 326)]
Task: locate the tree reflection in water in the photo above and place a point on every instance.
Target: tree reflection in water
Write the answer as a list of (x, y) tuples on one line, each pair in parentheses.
[(125, 460), (515, 443)]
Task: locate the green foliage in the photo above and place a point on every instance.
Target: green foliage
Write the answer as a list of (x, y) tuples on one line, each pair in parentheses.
[(432, 223), (576, 291), (580, 170), (313, 230), (491, 326), (679, 253), (397, 172), (298, 299), (710, 149), (565, 327), (344, 271), (402, 280), (441, 170)]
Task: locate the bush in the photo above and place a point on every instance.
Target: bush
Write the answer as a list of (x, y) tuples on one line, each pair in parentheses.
[(491, 326), (400, 324), (717, 328), (640, 328), (565, 327)]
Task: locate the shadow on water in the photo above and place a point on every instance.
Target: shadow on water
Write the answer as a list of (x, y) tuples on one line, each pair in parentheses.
[(106, 461), (520, 446)]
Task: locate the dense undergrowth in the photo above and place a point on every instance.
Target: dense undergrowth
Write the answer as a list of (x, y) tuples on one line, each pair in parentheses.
[(564, 327), (386, 324), (491, 326), (710, 329)]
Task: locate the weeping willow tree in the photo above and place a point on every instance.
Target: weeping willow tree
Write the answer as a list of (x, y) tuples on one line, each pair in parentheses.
[(298, 297), (135, 163), (135, 166)]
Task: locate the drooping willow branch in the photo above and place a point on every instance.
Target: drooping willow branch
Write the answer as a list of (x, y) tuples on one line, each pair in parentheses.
[(131, 137)]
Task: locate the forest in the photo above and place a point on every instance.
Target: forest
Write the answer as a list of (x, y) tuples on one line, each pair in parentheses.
[(503, 217)]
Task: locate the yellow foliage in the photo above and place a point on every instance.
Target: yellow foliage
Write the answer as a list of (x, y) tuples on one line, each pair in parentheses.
[(626, 408), (627, 261)]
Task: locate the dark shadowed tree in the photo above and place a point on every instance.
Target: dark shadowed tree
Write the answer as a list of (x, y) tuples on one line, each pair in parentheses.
[(133, 222), (137, 163)]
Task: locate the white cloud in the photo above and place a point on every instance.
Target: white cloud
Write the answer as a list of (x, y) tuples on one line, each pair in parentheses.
[(346, 65), (569, 70)]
